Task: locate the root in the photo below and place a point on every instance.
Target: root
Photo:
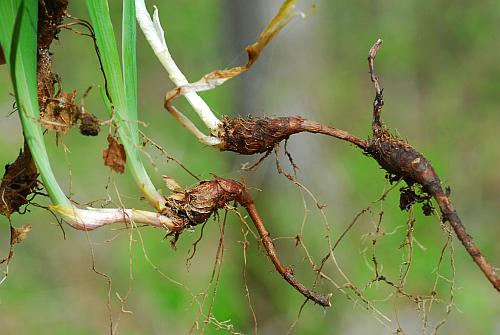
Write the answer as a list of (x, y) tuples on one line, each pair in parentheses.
[(286, 273), (401, 160), (194, 206), (260, 135), (450, 215), (397, 157)]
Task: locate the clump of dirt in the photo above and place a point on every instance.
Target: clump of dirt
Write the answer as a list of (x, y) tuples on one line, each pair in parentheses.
[(409, 197), (62, 113), (18, 182), (89, 124), (114, 156)]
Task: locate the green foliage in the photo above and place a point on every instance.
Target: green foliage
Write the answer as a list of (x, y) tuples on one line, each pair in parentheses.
[(18, 38), (121, 80)]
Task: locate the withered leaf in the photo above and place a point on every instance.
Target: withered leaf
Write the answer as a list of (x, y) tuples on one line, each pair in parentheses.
[(215, 78), (61, 112), (17, 235), (114, 156), (177, 196), (18, 182), (171, 183)]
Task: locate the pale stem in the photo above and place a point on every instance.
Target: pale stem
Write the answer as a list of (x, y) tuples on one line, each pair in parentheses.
[(92, 218), (189, 125), (155, 35)]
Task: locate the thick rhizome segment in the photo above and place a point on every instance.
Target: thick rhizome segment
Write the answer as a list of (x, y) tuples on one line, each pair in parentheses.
[(260, 135), (402, 161), (256, 135), (398, 158), (196, 205)]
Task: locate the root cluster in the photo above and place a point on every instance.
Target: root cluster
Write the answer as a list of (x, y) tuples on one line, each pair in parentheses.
[(194, 206), (398, 158)]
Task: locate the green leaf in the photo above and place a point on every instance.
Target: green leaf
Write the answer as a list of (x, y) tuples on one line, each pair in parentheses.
[(122, 87), (18, 37), (129, 62)]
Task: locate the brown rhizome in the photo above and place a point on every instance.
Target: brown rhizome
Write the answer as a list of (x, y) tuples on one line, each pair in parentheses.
[(260, 135), (397, 157)]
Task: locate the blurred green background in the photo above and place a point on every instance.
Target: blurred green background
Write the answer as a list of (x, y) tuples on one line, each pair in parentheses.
[(439, 67)]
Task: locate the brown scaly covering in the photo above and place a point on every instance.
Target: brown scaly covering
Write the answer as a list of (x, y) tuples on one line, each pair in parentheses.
[(194, 206), (259, 135)]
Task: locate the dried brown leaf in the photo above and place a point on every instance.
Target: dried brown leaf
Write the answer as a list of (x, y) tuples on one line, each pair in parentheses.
[(171, 183), (177, 196), (61, 112), (114, 156), (17, 235), (218, 77), (18, 182)]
